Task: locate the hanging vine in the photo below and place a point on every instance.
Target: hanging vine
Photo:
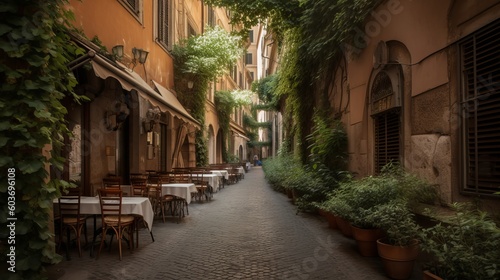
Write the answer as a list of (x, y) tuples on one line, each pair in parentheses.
[(226, 102), (34, 50), (201, 59)]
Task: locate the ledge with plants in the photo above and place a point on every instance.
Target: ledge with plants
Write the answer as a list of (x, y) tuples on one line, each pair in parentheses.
[(466, 246)]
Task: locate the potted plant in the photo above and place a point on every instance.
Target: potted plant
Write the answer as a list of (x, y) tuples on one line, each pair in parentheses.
[(400, 247), (324, 210), (363, 196), (466, 246), (337, 205)]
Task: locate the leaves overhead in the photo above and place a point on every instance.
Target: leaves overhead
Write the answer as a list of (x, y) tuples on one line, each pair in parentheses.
[(210, 54)]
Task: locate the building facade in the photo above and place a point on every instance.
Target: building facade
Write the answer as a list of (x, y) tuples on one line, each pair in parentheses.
[(424, 91), (133, 121)]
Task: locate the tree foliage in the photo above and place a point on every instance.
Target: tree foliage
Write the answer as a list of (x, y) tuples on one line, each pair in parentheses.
[(210, 54), (34, 50), (313, 41), (201, 59), (280, 14), (225, 102)]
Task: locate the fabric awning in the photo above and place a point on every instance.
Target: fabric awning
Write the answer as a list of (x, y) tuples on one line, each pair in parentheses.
[(129, 80), (170, 98)]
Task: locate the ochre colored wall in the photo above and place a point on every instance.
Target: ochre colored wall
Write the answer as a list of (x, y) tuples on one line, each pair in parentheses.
[(115, 25)]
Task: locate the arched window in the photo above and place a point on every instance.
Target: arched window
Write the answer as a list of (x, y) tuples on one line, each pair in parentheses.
[(386, 114)]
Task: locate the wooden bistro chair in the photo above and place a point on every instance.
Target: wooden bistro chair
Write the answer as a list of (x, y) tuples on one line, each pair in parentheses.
[(112, 182), (161, 203), (112, 219), (138, 186), (71, 220), (202, 186)]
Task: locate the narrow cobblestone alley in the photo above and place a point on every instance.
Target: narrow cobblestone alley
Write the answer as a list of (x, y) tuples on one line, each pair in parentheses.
[(247, 231)]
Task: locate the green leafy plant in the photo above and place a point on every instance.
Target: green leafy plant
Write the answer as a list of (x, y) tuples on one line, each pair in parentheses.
[(397, 221), (466, 246), (226, 102), (35, 48), (201, 59)]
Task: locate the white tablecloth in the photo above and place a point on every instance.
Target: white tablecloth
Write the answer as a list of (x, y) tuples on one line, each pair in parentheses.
[(241, 170), (221, 173), (212, 179), (140, 206), (183, 190)]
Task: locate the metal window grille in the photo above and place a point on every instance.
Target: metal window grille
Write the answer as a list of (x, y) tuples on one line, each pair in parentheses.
[(480, 66)]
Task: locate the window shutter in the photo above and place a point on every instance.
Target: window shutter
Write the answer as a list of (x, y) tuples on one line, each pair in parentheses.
[(481, 109), (387, 138), (163, 22)]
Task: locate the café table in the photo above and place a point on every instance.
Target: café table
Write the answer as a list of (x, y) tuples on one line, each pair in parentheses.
[(138, 206), (182, 190), (221, 173), (212, 179)]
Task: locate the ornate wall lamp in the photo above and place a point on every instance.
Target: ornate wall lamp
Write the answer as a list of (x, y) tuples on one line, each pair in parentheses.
[(118, 51), (152, 119), (140, 56)]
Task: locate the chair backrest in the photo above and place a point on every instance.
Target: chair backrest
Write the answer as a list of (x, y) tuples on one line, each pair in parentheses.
[(111, 202), (138, 175), (111, 183), (197, 178), (69, 206), (181, 177), (154, 186), (139, 186)]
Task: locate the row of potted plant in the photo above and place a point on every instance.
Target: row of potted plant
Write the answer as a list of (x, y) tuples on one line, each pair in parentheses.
[(378, 212)]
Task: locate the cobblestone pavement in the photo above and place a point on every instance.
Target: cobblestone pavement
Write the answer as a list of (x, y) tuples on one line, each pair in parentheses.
[(247, 231)]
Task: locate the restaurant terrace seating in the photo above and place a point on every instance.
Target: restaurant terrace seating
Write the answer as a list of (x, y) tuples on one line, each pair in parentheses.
[(71, 220), (112, 219)]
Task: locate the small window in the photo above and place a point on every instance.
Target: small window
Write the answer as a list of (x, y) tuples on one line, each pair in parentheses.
[(134, 7), (248, 58), (251, 36), (163, 23)]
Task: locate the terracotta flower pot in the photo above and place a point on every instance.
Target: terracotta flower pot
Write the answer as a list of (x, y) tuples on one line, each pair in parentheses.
[(332, 221), (366, 240), (344, 226), (398, 261)]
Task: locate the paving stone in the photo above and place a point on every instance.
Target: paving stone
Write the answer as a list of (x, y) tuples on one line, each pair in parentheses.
[(247, 231)]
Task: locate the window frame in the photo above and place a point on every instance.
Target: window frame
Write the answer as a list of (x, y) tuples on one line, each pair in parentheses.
[(164, 40), (136, 11), (477, 104)]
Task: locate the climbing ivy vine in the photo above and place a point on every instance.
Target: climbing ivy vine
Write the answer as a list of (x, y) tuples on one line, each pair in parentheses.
[(313, 43), (201, 59), (34, 51), (226, 102)]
